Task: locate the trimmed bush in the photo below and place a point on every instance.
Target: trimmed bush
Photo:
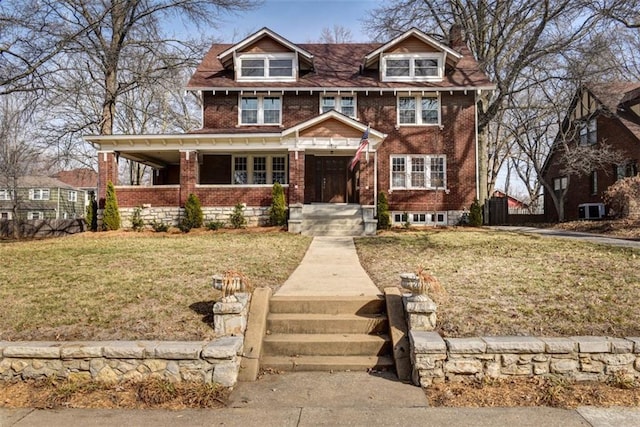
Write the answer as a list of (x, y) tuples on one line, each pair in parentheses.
[(111, 215), (237, 218), (215, 225), (384, 219), (193, 216), (278, 210), (159, 227), (136, 220), (475, 214)]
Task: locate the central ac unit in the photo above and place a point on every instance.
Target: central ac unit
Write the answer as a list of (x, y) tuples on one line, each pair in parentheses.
[(591, 211)]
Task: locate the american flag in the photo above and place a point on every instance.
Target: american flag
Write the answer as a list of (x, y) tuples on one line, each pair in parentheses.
[(363, 143)]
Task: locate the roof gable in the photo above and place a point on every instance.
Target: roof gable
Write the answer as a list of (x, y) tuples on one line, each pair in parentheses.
[(330, 122)]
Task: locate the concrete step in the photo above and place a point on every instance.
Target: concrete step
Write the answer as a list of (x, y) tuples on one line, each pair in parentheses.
[(326, 345), (361, 305), (335, 232), (305, 323), (334, 222), (331, 210), (328, 363)]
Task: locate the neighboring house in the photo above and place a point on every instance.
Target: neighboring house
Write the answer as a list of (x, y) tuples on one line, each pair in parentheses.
[(85, 179), (512, 202), (599, 113), (275, 111), (41, 197)]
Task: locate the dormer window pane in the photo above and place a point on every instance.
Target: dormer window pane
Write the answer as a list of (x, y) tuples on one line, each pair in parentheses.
[(426, 67), (252, 68), (280, 68), (398, 67)]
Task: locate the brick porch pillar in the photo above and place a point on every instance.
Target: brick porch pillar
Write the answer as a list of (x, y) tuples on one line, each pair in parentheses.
[(107, 171), (188, 174), (296, 177), (366, 182)]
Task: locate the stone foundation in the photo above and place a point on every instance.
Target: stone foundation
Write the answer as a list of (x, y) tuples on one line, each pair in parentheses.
[(256, 216)]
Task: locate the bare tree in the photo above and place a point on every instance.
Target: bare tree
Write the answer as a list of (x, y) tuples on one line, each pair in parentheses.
[(626, 12), (336, 34)]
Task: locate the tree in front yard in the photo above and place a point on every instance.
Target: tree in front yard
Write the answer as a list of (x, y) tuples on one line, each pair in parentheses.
[(278, 210), (193, 216), (111, 215)]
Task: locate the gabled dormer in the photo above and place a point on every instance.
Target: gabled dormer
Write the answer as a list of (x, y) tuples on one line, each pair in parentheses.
[(412, 57), (266, 57)]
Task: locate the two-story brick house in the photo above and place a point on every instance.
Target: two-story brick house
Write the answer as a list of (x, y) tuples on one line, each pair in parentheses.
[(275, 111), (599, 113)]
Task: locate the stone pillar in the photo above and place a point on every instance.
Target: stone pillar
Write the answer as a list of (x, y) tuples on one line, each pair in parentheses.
[(188, 174), (370, 224), (107, 171), (230, 317), (419, 308), (296, 177), (295, 218)]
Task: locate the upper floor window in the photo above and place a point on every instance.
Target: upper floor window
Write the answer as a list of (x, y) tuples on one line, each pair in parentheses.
[(255, 67), (260, 110), (594, 183), (39, 194), (560, 184), (418, 110), (588, 132), (341, 103), (73, 196), (623, 170), (418, 172), (5, 194), (259, 170), (412, 67)]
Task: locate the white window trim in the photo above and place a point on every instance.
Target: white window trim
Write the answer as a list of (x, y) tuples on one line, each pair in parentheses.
[(412, 57), (418, 100), (561, 182), (586, 129), (8, 213), (266, 57), (5, 194), (41, 192), (260, 97), (407, 165), (39, 213), (250, 158), (395, 215), (72, 196), (338, 97)]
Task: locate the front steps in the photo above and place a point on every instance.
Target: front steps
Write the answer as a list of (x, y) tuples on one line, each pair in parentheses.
[(327, 334), (332, 220)]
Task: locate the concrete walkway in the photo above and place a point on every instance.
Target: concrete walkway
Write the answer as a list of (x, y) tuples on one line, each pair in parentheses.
[(585, 237), (329, 268)]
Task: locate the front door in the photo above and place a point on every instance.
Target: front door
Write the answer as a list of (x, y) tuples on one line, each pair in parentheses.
[(331, 179)]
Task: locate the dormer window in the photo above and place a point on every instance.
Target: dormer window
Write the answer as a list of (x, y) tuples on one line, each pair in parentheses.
[(259, 67), (412, 67)]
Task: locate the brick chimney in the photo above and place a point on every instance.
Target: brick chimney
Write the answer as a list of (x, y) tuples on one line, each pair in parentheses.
[(456, 36)]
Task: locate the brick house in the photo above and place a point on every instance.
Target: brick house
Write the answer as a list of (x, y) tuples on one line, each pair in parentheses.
[(275, 111), (599, 113)]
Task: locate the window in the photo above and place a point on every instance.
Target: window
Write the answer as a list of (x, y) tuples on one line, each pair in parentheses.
[(259, 170), (343, 104), (39, 194), (257, 110), (418, 172), (5, 215), (5, 194), (560, 184), (412, 67), (594, 183), (34, 215), (588, 132), (420, 218), (418, 110), (73, 196), (254, 67), (622, 171)]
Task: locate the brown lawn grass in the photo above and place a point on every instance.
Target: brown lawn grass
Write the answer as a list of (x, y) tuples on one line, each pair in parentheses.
[(507, 284), (127, 285)]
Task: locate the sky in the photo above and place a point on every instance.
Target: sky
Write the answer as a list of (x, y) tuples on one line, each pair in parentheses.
[(299, 21)]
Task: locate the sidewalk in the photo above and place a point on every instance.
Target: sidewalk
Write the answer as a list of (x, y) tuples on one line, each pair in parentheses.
[(330, 267), (575, 235)]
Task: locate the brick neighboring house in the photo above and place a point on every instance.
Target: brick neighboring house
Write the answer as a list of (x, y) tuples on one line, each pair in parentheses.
[(42, 197), (604, 112), (295, 113)]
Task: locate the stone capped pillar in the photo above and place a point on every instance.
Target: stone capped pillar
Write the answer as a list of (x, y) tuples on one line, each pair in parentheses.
[(188, 174), (296, 177), (107, 171)]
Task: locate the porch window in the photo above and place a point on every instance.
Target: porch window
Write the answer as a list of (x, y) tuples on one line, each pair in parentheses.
[(588, 132), (418, 110), (424, 172), (39, 194), (343, 104), (412, 67), (257, 110), (259, 170)]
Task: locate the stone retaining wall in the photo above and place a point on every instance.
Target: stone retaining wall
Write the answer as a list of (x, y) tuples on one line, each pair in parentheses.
[(112, 361), (255, 216), (579, 358)]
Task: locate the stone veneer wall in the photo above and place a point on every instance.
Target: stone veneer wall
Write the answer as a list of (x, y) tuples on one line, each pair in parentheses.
[(171, 215), (578, 358), (112, 361)]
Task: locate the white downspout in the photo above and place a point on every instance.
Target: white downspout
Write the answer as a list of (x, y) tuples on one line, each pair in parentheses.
[(375, 183)]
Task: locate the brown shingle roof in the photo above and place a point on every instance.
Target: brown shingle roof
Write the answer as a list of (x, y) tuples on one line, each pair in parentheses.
[(613, 95), (335, 66)]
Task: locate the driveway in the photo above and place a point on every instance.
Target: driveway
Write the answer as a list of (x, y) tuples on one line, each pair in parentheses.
[(586, 237)]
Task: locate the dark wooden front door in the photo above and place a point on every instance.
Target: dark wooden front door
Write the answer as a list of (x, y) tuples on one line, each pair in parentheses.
[(331, 179)]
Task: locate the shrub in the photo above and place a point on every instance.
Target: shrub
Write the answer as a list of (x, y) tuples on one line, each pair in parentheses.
[(215, 225), (193, 216), (159, 227), (278, 210), (111, 216), (405, 217), (136, 220), (237, 218), (623, 198), (475, 214), (384, 218), (92, 212)]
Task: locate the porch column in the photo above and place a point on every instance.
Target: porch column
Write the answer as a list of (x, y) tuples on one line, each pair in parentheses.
[(107, 171), (296, 177), (366, 187), (188, 174)]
